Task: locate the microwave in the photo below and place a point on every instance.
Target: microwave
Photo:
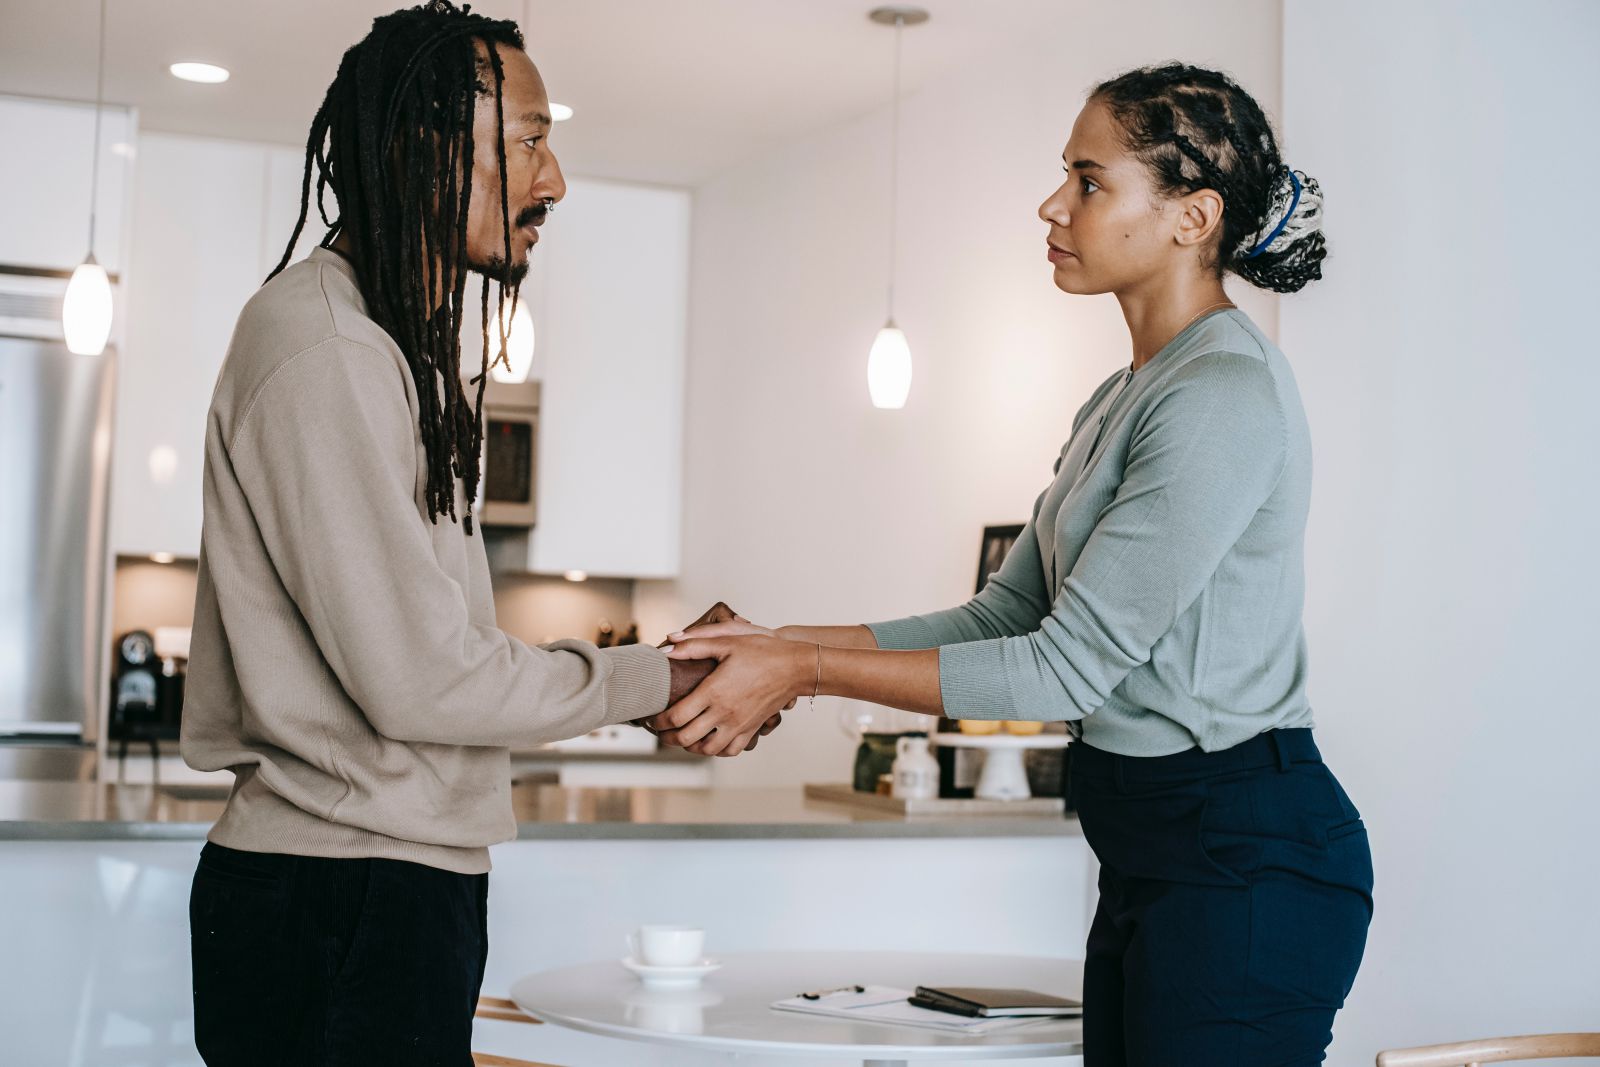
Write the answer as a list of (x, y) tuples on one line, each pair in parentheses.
[(507, 489)]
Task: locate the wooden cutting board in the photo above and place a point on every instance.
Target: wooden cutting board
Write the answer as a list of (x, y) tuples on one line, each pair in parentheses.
[(843, 793)]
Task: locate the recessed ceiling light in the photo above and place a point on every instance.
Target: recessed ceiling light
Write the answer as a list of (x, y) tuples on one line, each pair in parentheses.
[(560, 112), (208, 73), (577, 576)]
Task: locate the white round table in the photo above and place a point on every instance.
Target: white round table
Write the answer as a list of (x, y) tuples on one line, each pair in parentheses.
[(1004, 776), (731, 1010)]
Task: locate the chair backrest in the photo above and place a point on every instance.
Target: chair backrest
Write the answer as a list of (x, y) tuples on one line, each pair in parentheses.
[(1494, 1050)]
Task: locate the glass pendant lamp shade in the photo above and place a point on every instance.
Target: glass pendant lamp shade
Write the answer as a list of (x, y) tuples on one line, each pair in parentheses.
[(86, 310), (889, 368), (519, 348), (889, 359)]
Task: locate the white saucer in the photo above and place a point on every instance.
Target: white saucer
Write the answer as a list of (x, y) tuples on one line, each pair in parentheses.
[(655, 977)]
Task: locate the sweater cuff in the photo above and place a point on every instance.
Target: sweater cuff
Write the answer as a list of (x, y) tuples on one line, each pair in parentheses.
[(904, 635), (973, 682), (641, 677)]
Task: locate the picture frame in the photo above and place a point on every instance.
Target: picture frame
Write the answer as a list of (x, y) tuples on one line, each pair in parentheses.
[(997, 541)]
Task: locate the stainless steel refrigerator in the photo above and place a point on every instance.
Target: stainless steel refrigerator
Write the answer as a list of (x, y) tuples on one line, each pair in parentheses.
[(55, 456)]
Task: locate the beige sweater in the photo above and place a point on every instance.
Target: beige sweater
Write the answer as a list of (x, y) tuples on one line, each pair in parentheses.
[(345, 661)]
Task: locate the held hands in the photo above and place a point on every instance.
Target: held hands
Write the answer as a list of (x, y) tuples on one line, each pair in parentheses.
[(746, 691), (756, 676)]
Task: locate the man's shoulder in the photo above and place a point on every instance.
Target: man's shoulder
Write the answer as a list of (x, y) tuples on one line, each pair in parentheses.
[(309, 305)]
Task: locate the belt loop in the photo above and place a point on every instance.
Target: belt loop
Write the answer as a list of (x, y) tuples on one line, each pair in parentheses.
[(1276, 737), (1117, 763)]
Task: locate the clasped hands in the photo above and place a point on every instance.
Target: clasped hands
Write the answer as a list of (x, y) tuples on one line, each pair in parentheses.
[(731, 683)]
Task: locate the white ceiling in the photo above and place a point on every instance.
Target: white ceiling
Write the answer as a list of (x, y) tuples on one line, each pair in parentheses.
[(669, 91)]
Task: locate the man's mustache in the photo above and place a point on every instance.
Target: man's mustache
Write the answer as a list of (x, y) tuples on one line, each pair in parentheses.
[(532, 216)]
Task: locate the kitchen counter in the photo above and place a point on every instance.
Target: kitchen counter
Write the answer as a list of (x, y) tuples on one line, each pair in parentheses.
[(90, 811)]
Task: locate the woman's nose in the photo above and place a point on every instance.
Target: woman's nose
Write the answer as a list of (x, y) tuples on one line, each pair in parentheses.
[(1054, 209)]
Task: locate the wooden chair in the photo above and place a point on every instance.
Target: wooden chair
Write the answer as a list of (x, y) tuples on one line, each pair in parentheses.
[(1494, 1050), (500, 1008)]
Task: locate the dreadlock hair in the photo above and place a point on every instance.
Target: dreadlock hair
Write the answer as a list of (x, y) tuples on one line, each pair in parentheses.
[(1197, 129), (393, 139)]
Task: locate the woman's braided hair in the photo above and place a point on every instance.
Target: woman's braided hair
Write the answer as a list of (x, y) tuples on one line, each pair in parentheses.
[(1197, 129), (393, 139)]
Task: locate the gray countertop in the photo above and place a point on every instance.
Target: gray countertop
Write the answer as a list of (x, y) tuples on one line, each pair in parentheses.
[(91, 811)]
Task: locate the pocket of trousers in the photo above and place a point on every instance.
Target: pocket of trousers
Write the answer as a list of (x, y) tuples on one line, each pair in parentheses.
[(244, 868), (1152, 833)]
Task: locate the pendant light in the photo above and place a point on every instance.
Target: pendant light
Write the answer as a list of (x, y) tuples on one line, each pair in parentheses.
[(86, 309), (519, 346), (889, 361)]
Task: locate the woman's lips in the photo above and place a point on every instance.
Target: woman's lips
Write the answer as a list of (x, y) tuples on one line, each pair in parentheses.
[(1057, 254)]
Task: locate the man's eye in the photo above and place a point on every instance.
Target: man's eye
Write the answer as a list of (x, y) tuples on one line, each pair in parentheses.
[(1089, 186), (532, 142)]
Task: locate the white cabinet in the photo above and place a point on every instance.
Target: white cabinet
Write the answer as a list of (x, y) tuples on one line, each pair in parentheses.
[(210, 218), (609, 295), (45, 172), (610, 300)]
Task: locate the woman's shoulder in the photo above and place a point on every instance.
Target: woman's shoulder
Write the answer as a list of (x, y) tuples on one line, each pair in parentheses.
[(1228, 369), (1227, 348)]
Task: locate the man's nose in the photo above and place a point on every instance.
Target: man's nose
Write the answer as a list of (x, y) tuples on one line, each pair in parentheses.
[(552, 183)]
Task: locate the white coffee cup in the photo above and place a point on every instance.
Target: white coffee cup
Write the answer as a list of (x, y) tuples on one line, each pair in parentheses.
[(667, 946)]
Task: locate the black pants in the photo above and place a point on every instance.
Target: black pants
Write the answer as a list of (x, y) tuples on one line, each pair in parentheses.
[(326, 963), (1235, 893)]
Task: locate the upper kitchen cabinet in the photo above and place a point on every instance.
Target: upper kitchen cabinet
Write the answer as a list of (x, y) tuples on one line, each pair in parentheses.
[(210, 219), (611, 303), (46, 166), (608, 292)]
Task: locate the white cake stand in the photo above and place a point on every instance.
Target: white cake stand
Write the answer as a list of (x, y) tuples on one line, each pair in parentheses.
[(1003, 776)]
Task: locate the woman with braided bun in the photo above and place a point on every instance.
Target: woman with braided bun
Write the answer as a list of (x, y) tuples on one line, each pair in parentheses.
[(1153, 603)]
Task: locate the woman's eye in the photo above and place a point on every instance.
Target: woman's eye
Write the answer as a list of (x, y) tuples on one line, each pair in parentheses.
[(532, 142), (1089, 186)]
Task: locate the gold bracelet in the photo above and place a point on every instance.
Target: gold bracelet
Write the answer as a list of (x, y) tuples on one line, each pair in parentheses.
[(818, 686)]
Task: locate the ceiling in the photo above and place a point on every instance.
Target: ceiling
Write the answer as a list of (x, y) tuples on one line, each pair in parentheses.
[(669, 91)]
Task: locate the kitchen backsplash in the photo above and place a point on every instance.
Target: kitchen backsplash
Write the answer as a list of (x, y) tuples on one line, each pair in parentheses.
[(532, 608)]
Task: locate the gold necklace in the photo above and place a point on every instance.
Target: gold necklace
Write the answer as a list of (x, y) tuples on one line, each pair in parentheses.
[(1202, 311), (1185, 326)]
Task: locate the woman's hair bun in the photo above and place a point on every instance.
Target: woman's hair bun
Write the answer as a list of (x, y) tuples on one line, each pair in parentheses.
[(1287, 251)]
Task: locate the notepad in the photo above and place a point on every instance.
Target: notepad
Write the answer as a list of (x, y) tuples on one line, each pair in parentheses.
[(994, 1003), (885, 1004)]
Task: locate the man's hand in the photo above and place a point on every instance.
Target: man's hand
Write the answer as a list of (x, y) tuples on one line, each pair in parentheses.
[(725, 715), (718, 612), (686, 675)]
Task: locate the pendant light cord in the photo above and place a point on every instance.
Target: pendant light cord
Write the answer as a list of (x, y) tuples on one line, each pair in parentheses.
[(99, 96), (894, 162)]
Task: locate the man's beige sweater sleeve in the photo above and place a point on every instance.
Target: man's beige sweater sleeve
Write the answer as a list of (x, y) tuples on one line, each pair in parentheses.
[(328, 460)]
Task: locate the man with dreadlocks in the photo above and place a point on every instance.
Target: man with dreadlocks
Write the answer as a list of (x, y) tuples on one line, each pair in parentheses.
[(346, 665)]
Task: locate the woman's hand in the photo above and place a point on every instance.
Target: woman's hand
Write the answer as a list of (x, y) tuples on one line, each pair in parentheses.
[(738, 626), (756, 676)]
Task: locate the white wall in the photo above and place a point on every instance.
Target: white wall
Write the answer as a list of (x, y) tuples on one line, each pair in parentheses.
[(802, 502), (1448, 365)]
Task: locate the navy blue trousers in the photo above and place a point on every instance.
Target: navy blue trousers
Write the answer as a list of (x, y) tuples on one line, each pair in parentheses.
[(1235, 893)]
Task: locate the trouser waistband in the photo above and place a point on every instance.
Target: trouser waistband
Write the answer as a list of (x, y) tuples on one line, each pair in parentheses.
[(1280, 748)]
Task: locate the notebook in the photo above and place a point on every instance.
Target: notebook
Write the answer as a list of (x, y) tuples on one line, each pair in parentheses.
[(885, 1004), (994, 1003)]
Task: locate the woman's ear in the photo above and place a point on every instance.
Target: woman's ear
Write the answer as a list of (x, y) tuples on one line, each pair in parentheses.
[(1199, 218)]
